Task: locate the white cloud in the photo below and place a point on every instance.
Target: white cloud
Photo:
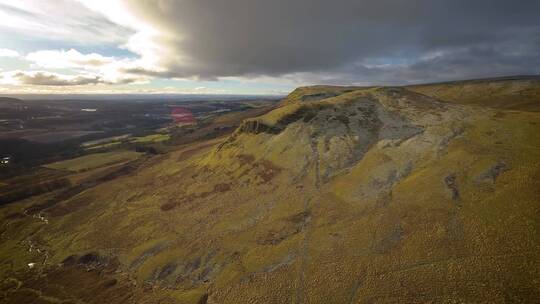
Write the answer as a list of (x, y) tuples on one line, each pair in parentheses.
[(9, 53), (59, 20), (61, 59), (109, 69), (147, 39), (72, 23), (45, 78)]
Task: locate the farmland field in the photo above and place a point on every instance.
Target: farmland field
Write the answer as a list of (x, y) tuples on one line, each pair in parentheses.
[(93, 161), (51, 137), (152, 138)]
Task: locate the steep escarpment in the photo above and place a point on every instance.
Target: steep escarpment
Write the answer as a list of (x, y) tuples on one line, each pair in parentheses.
[(335, 133), (340, 195)]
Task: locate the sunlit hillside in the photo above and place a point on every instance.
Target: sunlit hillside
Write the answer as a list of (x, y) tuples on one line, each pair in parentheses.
[(339, 195)]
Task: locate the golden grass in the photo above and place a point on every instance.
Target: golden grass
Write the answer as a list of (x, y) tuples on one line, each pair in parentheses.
[(521, 95), (282, 238)]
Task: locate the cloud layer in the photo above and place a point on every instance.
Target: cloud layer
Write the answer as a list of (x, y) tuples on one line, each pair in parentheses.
[(59, 20), (61, 59), (45, 78), (301, 41), (384, 40)]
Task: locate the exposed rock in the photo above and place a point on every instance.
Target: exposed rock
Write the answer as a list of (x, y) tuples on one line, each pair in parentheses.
[(389, 240), (451, 183), (203, 299), (490, 175), (91, 258), (166, 271), (147, 254)]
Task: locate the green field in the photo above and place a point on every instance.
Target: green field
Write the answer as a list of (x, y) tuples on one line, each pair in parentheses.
[(151, 138), (93, 161)]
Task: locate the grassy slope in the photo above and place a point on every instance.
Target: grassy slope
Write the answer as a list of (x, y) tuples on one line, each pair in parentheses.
[(514, 94), (262, 220)]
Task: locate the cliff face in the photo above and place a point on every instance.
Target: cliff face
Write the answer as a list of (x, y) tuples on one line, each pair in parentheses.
[(334, 133), (341, 195)]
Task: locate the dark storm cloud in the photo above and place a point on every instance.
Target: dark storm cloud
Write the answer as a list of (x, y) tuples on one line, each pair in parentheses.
[(350, 40)]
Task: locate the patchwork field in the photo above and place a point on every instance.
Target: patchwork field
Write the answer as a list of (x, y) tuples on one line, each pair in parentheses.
[(51, 137)]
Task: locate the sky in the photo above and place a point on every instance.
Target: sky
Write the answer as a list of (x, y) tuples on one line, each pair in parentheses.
[(259, 46)]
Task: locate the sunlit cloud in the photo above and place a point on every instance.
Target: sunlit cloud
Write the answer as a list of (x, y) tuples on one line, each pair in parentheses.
[(45, 78), (9, 53), (87, 69), (61, 59)]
